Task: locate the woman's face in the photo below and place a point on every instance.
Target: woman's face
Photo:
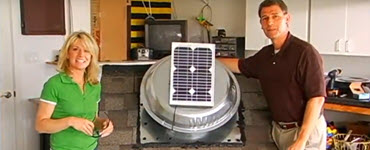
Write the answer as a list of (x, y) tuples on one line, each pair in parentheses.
[(79, 57)]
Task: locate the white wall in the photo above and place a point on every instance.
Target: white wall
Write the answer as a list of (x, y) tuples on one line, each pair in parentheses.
[(227, 14), (357, 66), (31, 71)]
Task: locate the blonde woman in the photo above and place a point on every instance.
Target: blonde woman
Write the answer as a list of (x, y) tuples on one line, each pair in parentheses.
[(69, 100)]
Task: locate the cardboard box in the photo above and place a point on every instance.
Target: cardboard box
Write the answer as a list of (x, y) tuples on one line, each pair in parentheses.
[(110, 25), (358, 92)]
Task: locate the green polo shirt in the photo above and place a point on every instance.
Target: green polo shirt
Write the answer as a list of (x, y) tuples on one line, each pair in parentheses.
[(69, 100)]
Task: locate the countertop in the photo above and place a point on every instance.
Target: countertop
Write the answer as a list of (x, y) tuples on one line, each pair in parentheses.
[(347, 105)]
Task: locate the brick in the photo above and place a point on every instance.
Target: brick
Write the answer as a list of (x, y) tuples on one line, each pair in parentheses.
[(102, 114), (114, 101), (250, 146), (261, 146), (119, 118), (150, 148), (126, 147), (254, 101), (248, 84), (118, 137), (117, 71), (163, 148), (141, 73), (257, 117), (134, 135), (226, 148), (108, 147), (131, 101), (118, 84), (132, 118), (258, 134), (137, 84), (102, 102), (197, 148), (138, 78), (268, 146), (125, 70)]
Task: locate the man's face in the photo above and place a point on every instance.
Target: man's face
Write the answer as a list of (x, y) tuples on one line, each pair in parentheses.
[(274, 21)]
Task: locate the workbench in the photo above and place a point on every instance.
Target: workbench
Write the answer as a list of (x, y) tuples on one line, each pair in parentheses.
[(347, 105)]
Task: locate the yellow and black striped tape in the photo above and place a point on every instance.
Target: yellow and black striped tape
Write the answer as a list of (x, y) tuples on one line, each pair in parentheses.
[(160, 9)]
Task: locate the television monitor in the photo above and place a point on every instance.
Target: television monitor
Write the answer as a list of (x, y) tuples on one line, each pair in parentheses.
[(159, 35)]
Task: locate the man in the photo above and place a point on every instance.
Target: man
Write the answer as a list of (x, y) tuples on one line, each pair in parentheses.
[(291, 76)]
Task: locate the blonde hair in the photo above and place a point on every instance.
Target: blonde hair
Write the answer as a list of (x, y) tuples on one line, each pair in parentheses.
[(92, 71)]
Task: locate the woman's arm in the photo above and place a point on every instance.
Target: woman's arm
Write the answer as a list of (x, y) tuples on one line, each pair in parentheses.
[(44, 123)]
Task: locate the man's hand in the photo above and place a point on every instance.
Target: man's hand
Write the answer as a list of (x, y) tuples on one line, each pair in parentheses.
[(311, 117), (298, 145)]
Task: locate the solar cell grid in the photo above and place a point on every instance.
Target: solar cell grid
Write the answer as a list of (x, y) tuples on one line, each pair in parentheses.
[(192, 74)]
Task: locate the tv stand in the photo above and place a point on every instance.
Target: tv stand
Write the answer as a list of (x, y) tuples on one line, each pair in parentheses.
[(160, 54)]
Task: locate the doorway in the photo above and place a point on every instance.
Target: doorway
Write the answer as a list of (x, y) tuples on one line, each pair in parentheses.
[(7, 100)]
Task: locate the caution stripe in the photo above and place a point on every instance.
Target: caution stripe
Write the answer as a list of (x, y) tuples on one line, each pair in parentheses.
[(137, 39), (156, 4), (136, 10), (156, 16), (160, 10), (137, 34), (151, 1), (134, 45), (138, 28), (135, 22)]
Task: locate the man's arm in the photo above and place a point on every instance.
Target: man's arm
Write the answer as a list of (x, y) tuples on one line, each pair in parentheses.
[(311, 116), (231, 63)]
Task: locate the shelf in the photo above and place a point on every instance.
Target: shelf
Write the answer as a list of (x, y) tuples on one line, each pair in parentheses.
[(52, 62), (346, 104), (122, 63), (347, 108), (129, 63)]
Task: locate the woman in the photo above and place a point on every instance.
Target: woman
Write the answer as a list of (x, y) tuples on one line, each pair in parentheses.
[(69, 100)]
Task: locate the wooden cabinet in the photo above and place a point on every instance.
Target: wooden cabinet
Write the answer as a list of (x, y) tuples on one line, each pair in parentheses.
[(256, 39), (42, 17), (358, 27), (299, 11), (110, 25), (340, 26)]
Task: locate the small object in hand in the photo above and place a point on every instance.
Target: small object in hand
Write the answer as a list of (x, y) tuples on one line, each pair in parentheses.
[(96, 134)]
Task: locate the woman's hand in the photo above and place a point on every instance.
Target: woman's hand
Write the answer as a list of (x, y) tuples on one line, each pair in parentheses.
[(82, 125), (107, 128)]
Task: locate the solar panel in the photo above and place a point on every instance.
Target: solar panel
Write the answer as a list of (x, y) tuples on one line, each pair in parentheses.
[(192, 74)]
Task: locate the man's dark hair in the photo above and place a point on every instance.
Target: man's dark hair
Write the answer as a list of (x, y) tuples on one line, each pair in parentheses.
[(267, 3)]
